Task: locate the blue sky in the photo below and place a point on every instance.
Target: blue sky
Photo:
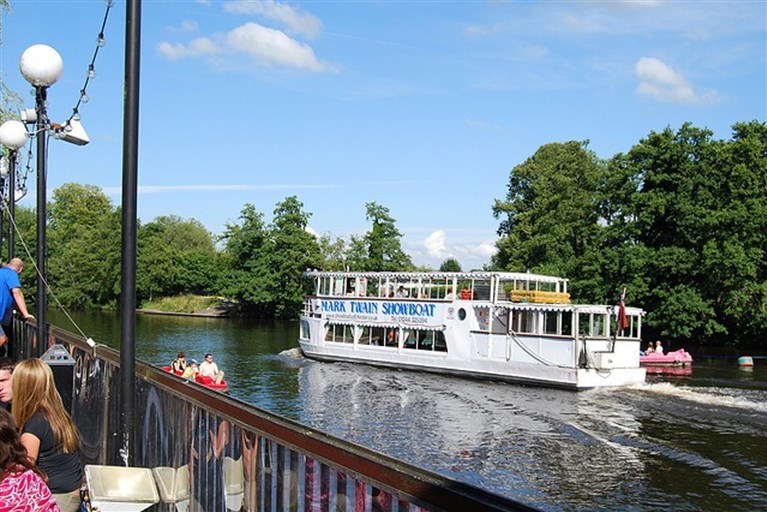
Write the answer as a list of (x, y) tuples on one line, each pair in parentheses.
[(423, 107)]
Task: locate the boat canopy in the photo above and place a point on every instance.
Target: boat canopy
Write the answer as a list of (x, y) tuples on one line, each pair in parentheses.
[(502, 276), (497, 286)]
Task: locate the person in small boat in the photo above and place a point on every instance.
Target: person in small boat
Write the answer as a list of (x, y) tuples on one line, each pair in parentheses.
[(210, 369), (179, 364), (650, 349), (658, 348), (191, 370)]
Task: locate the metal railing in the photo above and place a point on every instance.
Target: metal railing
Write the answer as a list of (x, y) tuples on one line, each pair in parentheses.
[(228, 455)]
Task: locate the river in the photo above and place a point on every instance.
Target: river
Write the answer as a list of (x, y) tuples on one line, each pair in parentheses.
[(692, 442)]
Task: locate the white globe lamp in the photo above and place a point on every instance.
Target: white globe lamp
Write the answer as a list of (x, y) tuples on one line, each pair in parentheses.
[(13, 135), (41, 65)]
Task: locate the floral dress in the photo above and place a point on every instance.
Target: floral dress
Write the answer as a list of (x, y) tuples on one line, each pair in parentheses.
[(25, 491)]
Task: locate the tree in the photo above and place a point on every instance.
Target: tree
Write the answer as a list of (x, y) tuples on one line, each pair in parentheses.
[(293, 251), (333, 253), (83, 246), (450, 265), (550, 218), (25, 221), (247, 276), (357, 254), (175, 256), (686, 221), (384, 252)]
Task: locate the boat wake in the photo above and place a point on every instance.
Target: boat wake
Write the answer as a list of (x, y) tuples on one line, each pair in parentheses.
[(293, 357), (703, 397)]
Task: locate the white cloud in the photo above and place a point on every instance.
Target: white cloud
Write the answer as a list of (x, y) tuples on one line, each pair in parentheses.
[(436, 248), (189, 26), (661, 82), (435, 244), (185, 27), (265, 46), (201, 47), (294, 20), (272, 47), (483, 125)]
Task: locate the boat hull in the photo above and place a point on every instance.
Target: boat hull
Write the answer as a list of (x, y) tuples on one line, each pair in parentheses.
[(675, 359), (574, 379), (530, 373), (203, 381)]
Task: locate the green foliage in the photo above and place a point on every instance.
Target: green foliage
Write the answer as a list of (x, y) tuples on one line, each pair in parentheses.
[(380, 249), (266, 263), (247, 274), (293, 251), (183, 304), (333, 253), (551, 214), (450, 265), (83, 246), (25, 246), (174, 257), (681, 220)]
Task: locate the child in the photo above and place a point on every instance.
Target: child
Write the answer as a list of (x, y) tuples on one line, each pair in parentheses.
[(190, 372)]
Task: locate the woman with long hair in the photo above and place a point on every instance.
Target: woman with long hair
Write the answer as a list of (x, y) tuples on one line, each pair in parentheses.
[(47, 431), (22, 485)]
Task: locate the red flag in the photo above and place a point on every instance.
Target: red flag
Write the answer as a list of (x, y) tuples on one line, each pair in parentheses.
[(623, 321)]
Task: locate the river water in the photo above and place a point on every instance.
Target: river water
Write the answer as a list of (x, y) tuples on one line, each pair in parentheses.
[(692, 442)]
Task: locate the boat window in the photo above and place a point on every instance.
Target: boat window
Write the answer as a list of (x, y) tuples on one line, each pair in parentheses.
[(420, 339), (567, 323), (633, 328), (373, 336), (584, 324), (600, 326), (482, 292), (410, 338), (305, 331), (339, 333), (440, 345), (550, 320), (461, 314), (524, 321)]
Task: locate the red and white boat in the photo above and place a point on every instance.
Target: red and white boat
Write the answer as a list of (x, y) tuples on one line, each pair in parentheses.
[(675, 358), (208, 382)]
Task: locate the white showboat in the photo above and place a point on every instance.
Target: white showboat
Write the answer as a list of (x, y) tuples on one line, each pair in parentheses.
[(516, 327)]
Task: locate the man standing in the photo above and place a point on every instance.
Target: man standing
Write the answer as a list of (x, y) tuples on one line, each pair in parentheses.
[(10, 295)]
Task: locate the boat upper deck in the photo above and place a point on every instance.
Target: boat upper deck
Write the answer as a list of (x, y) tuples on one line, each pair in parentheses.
[(486, 286)]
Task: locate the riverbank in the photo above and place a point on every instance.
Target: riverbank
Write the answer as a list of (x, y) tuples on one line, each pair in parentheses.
[(189, 305)]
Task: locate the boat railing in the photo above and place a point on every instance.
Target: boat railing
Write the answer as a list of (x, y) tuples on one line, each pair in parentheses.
[(232, 455), (485, 286)]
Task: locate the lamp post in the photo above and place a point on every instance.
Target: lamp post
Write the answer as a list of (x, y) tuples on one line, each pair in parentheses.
[(13, 135), (41, 66)]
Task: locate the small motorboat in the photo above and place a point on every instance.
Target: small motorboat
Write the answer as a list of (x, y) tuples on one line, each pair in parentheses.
[(208, 382), (674, 358)]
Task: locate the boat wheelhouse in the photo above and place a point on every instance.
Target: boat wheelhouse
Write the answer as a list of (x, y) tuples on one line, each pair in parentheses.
[(517, 327)]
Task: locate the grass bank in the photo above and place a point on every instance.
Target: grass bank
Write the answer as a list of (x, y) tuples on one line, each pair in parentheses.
[(184, 304)]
